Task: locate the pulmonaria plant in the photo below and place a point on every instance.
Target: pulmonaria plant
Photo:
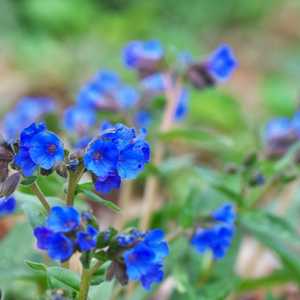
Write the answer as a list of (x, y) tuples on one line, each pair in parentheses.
[(108, 156)]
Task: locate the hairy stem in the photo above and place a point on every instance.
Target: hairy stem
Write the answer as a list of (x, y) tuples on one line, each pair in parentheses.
[(150, 193), (40, 195), (73, 180), (84, 284)]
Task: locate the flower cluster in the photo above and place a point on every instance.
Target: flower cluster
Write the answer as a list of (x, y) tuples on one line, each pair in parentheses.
[(280, 133), (26, 111), (143, 256), (65, 232), (38, 147), (217, 238), (107, 91), (117, 154)]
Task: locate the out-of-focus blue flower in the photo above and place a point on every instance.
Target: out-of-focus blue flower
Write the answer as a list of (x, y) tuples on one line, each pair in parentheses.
[(26, 111), (63, 219), (79, 119), (144, 262), (64, 233), (107, 184), (87, 240), (82, 143), (95, 92), (143, 119), (222, 63), (182, 106), (46, 150), (225, 213), (295, 124), (217, 238), (154, 83), (7, 206), (277, 128), (101, 157), (136, 53), (127, 97)]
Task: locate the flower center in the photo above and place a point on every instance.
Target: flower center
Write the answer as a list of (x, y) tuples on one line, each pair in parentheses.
[(51, 148), (97, 156)]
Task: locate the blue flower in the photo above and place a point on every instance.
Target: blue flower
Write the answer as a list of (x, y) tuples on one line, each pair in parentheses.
[(61, 248), (132, 159), (94, 94), (46, 150), (26, 111), (295, 124), (222, 63), (127, 97), (143, 119), (24, 162), (182, 106), (144, 262), (63, 219), (23, 158), (277, 128), (136, 52), (78, 119), (82, 143), (107, 184), (87, 240), (225, 213), (154, 83), (101, 157), (218, 238), (7, 206)]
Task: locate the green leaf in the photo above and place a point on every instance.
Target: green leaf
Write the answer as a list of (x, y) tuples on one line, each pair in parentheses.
[(103, 291), (63, 277), (276, 234), (278, 277), (234, 196), (33, 209), (35, 266), (96, 198)]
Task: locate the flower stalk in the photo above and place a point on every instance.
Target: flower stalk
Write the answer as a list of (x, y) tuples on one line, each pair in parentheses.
[(40, 195)]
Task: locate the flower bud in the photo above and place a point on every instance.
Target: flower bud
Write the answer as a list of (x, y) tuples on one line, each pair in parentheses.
[(10, 185), (199, 77), (117, 269), (3, 170)]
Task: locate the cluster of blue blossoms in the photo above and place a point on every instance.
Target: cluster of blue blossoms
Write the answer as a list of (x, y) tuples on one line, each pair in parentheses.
[(218, 237), (65, 232), (26, 111), (117, 154), (144, 259), (280, 133)]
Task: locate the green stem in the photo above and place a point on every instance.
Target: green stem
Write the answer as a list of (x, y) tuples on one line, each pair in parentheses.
[(73, 180), (37, 191), (86, 276), (84, 284)]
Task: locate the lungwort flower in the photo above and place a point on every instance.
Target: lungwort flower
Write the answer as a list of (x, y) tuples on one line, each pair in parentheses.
[(216, 238), (144, 261)]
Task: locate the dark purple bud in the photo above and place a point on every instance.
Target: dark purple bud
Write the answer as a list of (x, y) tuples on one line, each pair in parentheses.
[(10, 185), (5, 154), (117, 270), (3, 170), (199, 77), (62, 170)]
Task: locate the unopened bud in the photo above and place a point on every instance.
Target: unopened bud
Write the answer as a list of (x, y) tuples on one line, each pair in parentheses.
[(10, 185)]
